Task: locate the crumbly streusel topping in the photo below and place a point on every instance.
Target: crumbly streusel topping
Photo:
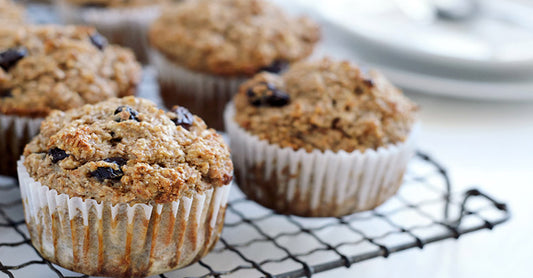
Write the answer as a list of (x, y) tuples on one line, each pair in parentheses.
[(52, 67), (127, 150), (10, 12), (325, 105), (116, 3), (232, 37)]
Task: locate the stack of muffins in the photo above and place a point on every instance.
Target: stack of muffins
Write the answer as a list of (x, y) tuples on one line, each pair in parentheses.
[(113, 186)]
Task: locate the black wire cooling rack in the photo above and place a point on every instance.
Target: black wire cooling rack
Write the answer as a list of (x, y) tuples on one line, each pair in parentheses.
[(257, 242)]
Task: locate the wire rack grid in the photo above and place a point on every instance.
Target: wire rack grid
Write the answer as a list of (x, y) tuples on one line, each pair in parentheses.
[(257, 242)]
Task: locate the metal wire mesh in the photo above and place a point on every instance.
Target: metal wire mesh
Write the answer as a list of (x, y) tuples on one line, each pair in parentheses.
[(257, 242)]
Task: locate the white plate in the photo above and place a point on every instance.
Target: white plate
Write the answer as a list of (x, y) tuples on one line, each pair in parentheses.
[(495, 46), (428, 84)]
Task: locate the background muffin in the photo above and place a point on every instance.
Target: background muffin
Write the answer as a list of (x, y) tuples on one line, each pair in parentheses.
[(205, 49), (150, 186), (123, 22), (43, 68), (322, 139), (10, 12)]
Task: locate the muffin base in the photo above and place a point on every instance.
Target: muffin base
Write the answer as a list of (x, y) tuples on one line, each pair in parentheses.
[(316, 184), (203, 94), (124, 26), (122, 240), (15, 133)]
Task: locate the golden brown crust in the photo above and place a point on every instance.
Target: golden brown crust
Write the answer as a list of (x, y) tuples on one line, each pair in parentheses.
[(332, 106), (10, 13), (62, 69), (133, 154), (231, 37)]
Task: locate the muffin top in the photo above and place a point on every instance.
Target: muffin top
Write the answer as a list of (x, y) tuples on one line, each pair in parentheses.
[(116, 3), (325, 105), (51, 67), (10, 12), (128, 151), (232, 37)]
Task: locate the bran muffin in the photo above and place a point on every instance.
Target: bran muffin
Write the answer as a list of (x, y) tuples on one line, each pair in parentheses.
[(145, 190), (43, 68), (10, 13), (322, 139), (123, 22), (205, 49)]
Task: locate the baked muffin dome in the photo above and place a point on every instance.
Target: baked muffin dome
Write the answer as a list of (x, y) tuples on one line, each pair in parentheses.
[(10, 12), (325, 105), (115, 3), (128, 151), (54, 67), (231, 37)]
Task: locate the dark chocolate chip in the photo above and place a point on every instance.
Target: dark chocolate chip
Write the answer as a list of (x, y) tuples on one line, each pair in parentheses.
[(10, 57), (117, 160), (98, 40), (132, 113), (358, 90), (276, 67), (266, 94), (107, 173), (57, 154), (183, 118), (5, 93)]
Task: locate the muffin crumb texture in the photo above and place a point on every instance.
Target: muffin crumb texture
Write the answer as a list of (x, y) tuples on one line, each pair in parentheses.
[(325, 105), (11, 13), (51, 67), (128, 151), (232, 37)]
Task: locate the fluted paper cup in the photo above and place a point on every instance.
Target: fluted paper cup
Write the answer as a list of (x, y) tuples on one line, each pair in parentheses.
[(123, 26), (121, 240), (316, 184), (204, 94), (15, 133)]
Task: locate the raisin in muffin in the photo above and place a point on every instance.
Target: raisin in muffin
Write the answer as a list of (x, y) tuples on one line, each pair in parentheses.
[(43, 68), (205, 49), (124, 22), (322, 139), (145, 190), (10, 13)]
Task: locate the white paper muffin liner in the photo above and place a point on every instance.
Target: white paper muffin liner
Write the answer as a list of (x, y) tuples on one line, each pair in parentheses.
[(317, 183), (203, 94), (121, 240), (15, 133), (124, 26)]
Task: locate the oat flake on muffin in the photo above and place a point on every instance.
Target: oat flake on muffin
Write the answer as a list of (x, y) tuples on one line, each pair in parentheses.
[(11, 13)]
